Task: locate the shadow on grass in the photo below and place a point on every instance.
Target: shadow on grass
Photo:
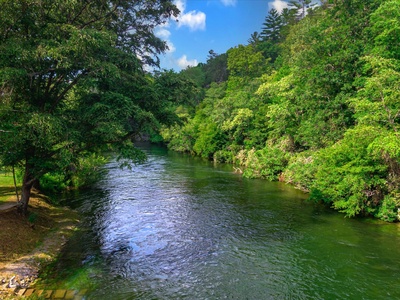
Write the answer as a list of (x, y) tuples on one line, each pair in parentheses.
[(6, 193)]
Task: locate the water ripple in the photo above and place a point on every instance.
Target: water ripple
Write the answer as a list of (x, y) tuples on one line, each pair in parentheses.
[(177, 228)]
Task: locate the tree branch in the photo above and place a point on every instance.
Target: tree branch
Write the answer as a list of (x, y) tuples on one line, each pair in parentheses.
[(80, 12), (46, 93), (113, 10), (67, 89)]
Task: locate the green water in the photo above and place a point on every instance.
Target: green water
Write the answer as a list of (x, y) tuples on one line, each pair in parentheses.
[(177, 227)]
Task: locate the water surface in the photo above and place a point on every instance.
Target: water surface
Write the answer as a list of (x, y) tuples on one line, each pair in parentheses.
[(177, 227)]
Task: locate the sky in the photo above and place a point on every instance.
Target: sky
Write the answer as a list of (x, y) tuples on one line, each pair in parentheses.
[(205, 25)]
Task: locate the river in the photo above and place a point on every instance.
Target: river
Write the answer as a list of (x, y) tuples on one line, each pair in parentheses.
[(177, 227)]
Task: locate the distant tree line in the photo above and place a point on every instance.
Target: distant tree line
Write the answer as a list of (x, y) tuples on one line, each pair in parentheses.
[(312, 100)]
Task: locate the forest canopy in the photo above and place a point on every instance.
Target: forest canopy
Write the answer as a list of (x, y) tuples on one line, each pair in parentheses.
[(312, 100)]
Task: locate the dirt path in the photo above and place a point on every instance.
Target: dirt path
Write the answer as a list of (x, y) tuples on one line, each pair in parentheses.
[(7, 206), (27, 244)]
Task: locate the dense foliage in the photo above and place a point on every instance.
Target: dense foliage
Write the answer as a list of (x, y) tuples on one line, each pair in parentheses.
[(73, 84), (314, 100)]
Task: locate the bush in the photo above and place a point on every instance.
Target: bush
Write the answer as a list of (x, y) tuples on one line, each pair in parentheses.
[(223, 156), (180, 138), (88, 170), (210, 140), (389, 210), (348, 176), (54, 182), (267, 163), (300, 171), (84, 173)]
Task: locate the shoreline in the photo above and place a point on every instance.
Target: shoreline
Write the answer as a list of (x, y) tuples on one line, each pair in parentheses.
[(22, 271)]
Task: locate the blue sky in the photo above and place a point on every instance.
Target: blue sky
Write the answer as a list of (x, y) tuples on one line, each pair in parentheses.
[(211, 24)]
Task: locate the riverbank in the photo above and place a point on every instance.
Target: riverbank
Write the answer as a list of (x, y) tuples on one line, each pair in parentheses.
[(28, 244)]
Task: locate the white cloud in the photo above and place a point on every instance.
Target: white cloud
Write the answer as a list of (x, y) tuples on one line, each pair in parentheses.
[(183, 62), (279, 5), (195, 20), (229, 2), (162, 33), (171, 47), (181, 5)]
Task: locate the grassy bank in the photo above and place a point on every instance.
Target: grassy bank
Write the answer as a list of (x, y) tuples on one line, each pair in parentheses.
[(28, 244)]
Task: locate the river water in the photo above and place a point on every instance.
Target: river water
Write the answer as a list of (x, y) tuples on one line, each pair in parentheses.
[(177, 227)]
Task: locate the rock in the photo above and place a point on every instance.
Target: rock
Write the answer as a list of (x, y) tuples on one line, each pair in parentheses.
[(12, 283)]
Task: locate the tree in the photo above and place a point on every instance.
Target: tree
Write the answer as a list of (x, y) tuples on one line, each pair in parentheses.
[(254, 39), (216, 68), (288, 16), (72, 80), (322, 55), (245, 61), (359, 172), (386, 29), (271, 30), (301, 7), (175, 89)]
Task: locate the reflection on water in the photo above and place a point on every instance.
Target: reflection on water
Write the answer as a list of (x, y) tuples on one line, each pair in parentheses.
[(181, 228)]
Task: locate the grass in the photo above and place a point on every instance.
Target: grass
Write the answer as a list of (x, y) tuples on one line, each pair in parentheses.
[(7, 189), (19, 235)]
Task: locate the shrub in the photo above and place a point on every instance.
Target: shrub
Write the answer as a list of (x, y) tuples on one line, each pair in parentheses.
[(348, 176), (267, 163), (300, 171)]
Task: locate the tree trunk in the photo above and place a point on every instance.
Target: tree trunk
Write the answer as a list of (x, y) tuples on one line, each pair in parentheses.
[(27, 184), (15, 183)]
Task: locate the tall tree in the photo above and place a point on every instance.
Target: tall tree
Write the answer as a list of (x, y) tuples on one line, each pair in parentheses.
[(271, 35), (271, 30), (301, 7), (254, 39), (72, 80)]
